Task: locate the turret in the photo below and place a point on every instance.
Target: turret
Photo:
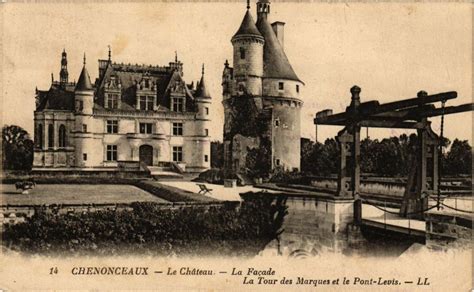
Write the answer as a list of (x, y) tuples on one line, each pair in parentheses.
[(263, 9), (203, 101), (84, 92), (203, 122), (84, 103), (63, 74), (279, 78), (201, 91), (248, 57)]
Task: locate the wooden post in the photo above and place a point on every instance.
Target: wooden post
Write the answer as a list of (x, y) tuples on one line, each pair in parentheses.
[(419, 188), (349, 144), (357, 210), (344, 185)]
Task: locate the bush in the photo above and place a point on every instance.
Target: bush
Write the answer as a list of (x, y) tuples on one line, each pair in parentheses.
[(284, 176), (216, 176), (149, 228), (212, 176)]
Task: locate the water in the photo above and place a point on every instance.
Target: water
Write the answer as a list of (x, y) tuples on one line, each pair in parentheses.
[(316, 225)]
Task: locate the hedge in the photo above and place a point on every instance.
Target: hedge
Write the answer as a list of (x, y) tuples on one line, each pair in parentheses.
[(148, 229)]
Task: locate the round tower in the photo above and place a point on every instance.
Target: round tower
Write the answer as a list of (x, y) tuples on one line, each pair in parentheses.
[(202, 153), (281, 90), (84, 103), (248, 57)]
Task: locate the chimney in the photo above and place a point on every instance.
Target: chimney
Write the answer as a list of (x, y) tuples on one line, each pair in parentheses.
[(278, 28)]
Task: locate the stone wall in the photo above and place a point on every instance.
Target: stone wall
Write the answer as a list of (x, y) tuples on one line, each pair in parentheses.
[(315, 225), (286, 134), (448, 230), (271, 87)]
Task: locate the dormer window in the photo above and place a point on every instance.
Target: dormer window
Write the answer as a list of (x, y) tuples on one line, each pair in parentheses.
[(146, 102), (177, 104), (112, 101)]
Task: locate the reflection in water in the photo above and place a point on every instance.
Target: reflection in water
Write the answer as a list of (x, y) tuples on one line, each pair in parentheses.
[(318, 225)]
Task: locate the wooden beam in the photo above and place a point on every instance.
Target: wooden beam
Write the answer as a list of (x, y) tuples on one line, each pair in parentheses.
[(372, 108), (396, 105), (322, 117), (395, 124), (449, 110), (411, 113)]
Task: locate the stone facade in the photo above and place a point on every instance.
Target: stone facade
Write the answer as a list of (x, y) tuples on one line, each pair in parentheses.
[(314, 226), (262, 74), (132, 117)]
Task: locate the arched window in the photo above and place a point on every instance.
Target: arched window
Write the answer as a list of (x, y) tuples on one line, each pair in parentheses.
[(40, 136), (50, 136), (62, 136)]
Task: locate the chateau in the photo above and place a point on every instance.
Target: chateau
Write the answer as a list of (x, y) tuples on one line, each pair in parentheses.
[(132, 117), (264, 85)]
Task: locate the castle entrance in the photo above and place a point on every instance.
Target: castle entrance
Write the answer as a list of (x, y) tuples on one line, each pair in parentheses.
[(145, 154)]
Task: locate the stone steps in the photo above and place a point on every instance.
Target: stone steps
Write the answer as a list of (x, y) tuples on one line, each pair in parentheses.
[(163, 172)]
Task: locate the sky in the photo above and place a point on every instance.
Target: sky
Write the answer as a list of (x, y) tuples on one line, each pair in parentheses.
[(390, 50)]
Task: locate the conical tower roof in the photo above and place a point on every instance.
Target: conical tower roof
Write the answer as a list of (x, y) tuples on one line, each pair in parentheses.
[(276, 64), (202, 90), (84, 82), (247, 27)]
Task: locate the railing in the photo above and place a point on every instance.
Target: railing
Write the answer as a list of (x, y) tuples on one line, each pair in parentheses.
[(157, 136)]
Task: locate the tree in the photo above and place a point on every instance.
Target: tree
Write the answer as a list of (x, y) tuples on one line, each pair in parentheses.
[(245, 118), (217, 154), (17, 148), (258, 160), (368, 155), (307, 150), (319, 159), (389, 157), (459, 158)]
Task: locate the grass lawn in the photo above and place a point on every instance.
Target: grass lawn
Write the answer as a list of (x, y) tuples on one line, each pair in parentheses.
[(76, 194)]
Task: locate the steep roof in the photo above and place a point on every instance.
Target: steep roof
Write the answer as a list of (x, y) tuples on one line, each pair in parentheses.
[(129, 76), (56, 98), (129, 80), (276, 64), (84, 82), (247, 27), (201, 90)]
